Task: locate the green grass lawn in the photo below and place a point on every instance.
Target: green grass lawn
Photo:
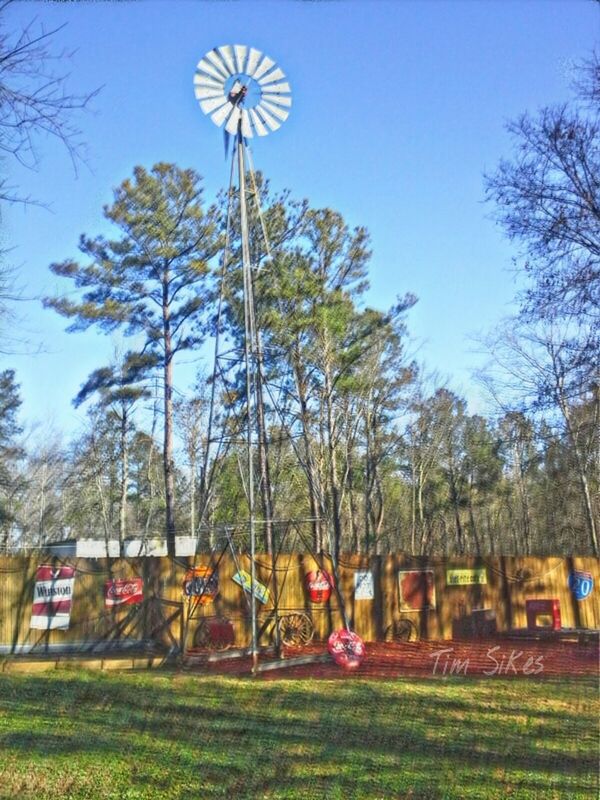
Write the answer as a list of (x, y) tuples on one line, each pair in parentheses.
[(78, 734)]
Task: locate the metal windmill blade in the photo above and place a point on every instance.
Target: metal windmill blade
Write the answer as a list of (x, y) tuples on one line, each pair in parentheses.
[(243, 90)]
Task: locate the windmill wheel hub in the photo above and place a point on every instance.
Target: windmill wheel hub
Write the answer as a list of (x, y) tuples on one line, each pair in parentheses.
[(236, 84)]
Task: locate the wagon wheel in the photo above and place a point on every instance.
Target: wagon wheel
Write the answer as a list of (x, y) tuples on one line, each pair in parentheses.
[(296, 629), (208, 639), (403, 630)]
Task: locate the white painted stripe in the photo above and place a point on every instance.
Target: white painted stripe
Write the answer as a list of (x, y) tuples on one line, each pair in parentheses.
[(50, 623)]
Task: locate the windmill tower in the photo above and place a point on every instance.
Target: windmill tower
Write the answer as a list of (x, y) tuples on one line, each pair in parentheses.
[(244, 91)]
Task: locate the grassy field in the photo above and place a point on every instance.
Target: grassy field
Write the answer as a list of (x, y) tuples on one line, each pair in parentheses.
[(132, 736)]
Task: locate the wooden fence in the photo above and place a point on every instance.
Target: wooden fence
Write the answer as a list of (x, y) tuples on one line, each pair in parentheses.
[(509, 582)]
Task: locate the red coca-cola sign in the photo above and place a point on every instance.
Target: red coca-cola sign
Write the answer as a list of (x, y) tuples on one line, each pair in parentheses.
[(319, 585), (123, 592), (346, 648)]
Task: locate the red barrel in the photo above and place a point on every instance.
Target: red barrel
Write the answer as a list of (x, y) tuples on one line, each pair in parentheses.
[(346, 648)]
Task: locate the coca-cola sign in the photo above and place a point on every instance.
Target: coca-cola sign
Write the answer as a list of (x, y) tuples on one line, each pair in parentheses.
[(319, 584), (123, 592), (346, 648)]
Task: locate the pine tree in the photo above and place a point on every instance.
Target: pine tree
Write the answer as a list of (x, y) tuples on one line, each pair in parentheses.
[(150, 282)]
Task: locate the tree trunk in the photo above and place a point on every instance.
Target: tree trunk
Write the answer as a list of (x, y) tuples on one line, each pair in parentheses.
[(354, 536), (168, 465), (309, 466), (420, 503), (473, 525), (413, 504), (460, 540), (580, 464), (368, 482), (523, 497), (192, 494), (124, 477), (333, 477)]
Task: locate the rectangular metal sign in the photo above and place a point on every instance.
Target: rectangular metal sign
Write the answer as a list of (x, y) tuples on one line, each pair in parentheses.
[(363, 585), (123, 592), (244, 579), (466, 577), (417, 589), (52, 598)]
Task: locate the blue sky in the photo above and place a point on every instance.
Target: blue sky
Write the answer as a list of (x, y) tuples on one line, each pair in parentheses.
[(398, 110)]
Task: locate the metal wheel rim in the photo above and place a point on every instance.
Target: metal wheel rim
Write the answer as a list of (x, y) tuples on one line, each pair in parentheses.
[(296, 629), (404, 631)]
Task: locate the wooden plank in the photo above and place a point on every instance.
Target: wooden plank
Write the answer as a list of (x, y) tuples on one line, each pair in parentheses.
[(299, 661), (214, 658)]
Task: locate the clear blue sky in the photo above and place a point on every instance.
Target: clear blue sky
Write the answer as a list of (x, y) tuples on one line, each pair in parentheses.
[(398, 109)]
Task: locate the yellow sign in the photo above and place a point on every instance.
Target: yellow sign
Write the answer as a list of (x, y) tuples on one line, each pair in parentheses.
[(465, 577), (245, 581)]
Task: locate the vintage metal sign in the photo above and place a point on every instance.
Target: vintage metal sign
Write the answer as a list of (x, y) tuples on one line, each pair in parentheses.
[(319, 584), (417, 589), (466, 577), (363, 585), (346, 648), (244, 579), (201, 583), (52, 598), (581, 584), (123, 592)]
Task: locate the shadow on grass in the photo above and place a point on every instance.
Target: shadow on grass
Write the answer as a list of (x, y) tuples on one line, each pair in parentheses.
[(245, 736)]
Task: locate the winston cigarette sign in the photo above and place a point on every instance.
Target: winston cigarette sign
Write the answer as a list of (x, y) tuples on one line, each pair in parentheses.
[(52, 598)]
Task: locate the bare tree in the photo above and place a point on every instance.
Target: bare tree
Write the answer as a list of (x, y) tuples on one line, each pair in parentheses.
[(547, 199), (34, 96), (190, 418), (533, 369)]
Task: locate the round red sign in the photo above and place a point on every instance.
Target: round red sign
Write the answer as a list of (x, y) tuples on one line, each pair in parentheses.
[(319, 584), (346, 648)]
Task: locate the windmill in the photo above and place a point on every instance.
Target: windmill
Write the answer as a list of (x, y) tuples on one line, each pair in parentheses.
[(244, 91)]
